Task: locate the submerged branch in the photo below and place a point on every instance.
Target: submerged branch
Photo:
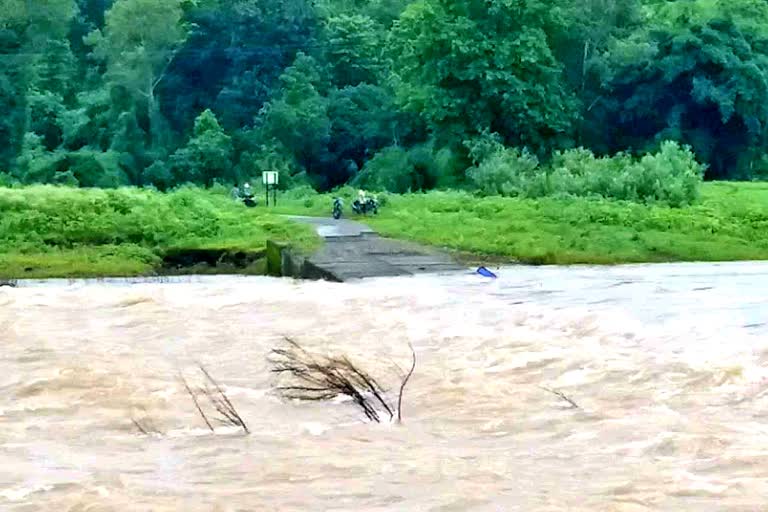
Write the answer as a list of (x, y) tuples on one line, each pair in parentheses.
[(139, 426), (216, 396), (218, 399), (145, 425), (196, 402), (221, 402), (562, 396), (406, 378), (317, 378)]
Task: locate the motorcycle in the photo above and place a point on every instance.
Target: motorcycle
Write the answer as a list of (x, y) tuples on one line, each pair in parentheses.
[(337, 208), (369, 204), (249, 200)]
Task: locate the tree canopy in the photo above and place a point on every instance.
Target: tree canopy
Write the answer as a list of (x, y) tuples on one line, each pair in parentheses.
[(165, 92)]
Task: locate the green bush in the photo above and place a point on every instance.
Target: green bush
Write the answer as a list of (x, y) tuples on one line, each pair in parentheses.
[(728, 223), (670, 176), (302, 192), (37, 165), (390, 169), (395, 169), (501, 171), (207, 155), (6, 180), (158, 175), (93, 168)]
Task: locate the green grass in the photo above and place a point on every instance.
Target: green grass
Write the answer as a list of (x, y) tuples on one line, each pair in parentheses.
[(50, 231), (730, 222), (59, 232)]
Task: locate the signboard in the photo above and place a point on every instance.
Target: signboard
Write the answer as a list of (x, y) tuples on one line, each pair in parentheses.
[(269, 177)]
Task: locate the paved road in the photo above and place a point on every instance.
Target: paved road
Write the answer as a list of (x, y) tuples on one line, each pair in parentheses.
[(353, 250), (332, 228)]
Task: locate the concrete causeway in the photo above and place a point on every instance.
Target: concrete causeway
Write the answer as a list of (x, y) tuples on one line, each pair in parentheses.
[(353, 250)]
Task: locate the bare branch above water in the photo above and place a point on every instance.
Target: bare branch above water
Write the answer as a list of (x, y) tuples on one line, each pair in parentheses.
[(228, 414), (221, 402), (319, 378), (406, 378), (145, 425), (193, 395), (215, 395), (562, 396)]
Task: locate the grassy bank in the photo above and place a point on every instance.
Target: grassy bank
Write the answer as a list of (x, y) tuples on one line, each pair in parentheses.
[(730, 222), (61, 232)]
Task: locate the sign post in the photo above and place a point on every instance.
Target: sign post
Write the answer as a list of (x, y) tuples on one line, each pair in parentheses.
[(270, 180)]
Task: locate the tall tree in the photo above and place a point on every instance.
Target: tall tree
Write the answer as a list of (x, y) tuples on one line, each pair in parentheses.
[(582, 46), (298, 120), (700, 79), (476, 65), (36, 71), (353, 45), (139, 41), (234, 56), (207, 156)]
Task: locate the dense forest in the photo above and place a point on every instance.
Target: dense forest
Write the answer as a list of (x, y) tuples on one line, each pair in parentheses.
[(399, 94)]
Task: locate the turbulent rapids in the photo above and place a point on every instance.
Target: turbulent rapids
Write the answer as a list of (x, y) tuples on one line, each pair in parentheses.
[(623, 389)]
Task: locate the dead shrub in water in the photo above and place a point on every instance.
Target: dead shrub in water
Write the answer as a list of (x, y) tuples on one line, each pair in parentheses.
[(210, 392), (562, 396), (318, 378), (216, 396), (145, 425)]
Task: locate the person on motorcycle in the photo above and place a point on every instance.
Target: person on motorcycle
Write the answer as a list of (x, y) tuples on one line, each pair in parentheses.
[(337, 205), (359, 204), (247, 190)]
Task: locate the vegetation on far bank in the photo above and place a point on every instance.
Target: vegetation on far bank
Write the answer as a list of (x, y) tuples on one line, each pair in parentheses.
[(729, 222), (110, 93), (48, 231)]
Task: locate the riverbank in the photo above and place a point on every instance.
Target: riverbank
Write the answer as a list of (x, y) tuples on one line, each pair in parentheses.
[(729, 223), (61, 232), (48, 231)]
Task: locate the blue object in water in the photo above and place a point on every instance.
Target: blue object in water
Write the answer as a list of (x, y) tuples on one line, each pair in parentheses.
[(486, 273)]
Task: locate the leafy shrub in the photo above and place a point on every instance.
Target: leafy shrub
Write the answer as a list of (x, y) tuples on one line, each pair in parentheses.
[(159, 175), (390, 169), (207, 156), (93, 168), (395, 169), (300, 192), (759, 171), (66, 219), (348, 193), (6, 180), (35, 164), (501, 171), (671, 175)]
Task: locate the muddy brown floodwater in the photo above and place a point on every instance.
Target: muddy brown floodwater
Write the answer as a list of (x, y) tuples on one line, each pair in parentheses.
[(668, 365)]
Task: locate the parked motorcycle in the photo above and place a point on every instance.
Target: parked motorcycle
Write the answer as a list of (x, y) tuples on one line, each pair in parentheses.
[(337, 204), (367, 205)]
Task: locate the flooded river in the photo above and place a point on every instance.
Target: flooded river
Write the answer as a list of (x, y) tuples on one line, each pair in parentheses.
[(668, 366)]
